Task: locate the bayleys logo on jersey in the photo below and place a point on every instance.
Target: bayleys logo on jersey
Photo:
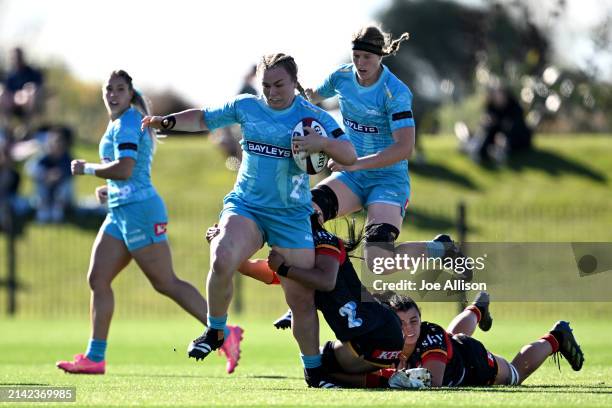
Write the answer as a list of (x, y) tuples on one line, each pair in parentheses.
[(267, 150), (358, 127)]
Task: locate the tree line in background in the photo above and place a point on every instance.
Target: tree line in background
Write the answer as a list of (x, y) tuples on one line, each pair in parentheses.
[(456, 51)]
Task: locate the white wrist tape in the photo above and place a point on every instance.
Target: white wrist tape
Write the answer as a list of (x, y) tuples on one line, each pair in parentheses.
[(90, 169)]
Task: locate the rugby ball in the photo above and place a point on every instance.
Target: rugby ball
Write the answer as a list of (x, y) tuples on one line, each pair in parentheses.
[(310, 163)]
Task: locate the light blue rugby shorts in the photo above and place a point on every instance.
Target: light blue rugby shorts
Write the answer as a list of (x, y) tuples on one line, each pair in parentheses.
[(393, 189), (284, 228), (138, 224)]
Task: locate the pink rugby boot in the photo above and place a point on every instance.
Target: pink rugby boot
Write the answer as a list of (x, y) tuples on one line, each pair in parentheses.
[(83, 365), (231, 347)]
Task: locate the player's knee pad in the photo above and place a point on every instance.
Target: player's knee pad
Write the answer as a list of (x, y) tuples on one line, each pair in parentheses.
[(324, 197), (382, 235), (328, 358), (382, 232)]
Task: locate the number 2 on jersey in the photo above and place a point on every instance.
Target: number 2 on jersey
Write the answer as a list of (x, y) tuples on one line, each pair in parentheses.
[(297, 181), (350, 311)]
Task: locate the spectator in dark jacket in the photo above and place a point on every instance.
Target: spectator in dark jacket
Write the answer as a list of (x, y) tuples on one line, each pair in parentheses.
[(52, 177), (22, 92), (503, 130)]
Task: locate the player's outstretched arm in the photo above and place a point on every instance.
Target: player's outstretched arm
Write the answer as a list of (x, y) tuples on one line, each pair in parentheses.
[(191, 120)]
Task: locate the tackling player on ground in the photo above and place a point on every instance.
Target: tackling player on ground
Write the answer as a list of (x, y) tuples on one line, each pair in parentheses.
[(454, 358)]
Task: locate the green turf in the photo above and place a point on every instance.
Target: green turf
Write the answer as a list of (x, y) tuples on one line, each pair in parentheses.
[(560, 192), (144, 369)]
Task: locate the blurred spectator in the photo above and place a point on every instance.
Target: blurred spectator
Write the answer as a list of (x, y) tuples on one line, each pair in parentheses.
[(35, 141), (21, 93), (9, 177), (9, 186), (52, 177), (503, 130), (228, 138)]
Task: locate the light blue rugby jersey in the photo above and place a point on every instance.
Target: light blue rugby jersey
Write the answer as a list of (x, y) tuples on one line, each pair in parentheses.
[(268, 176), (123, 138), (370, 114)]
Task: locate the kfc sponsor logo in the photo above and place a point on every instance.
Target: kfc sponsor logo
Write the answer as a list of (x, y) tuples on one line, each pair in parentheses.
[(386, 355)]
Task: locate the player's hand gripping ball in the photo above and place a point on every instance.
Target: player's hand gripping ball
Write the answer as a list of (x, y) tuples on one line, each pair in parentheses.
[(311, 163)]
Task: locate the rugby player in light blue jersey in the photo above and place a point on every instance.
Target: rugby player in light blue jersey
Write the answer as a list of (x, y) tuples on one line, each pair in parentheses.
[(270, 201), (376, 109), (135, 227)]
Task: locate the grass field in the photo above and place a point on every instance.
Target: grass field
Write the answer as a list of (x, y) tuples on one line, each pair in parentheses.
[(559, 192), (144, 369)]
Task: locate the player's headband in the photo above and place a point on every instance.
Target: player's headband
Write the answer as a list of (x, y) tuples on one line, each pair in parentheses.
[(364, 46)]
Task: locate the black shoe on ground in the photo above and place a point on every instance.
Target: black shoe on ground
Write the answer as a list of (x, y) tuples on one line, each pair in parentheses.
[(316, 378), (284, 322), (205, 344), (482, 303), (568, 346)]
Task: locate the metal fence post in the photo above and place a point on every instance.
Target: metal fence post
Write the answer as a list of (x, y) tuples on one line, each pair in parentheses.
[(462, 237), (461, 223), (8, 217)]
